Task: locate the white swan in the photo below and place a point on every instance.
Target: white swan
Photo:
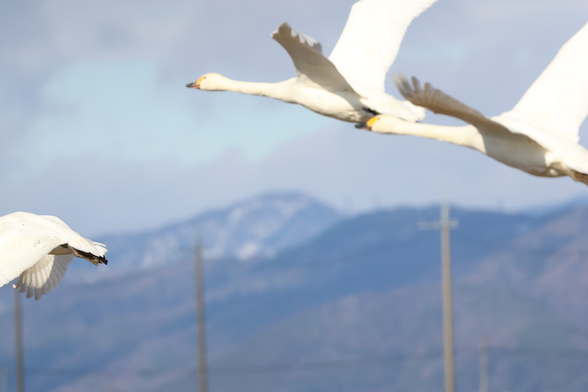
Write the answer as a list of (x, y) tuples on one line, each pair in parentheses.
[(39, 248), (539, 135), (349, 85)]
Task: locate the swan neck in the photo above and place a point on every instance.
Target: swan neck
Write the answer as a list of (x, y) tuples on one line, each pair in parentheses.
[(271, 90), (463, 135)]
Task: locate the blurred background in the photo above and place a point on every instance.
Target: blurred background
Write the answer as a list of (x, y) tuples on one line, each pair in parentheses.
[(318, 277)]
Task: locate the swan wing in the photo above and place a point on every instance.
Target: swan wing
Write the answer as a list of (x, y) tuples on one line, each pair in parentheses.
[(22, 244), (44, 276), (371, 39), (441, 103), (312, 68), (501, 126), (76, 241), (571, 153), (557, 101), (27, 239)]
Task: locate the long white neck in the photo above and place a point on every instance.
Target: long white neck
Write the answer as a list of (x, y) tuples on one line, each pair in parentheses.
[(281, 90), (466, 135)]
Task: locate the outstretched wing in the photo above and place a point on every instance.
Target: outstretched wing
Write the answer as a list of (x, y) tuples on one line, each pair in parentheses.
[(20, 249), (312, 68), (371, 39), (558, 100), (81, 247), (501, 126), (25, 243), (438, 102), (43, 276)]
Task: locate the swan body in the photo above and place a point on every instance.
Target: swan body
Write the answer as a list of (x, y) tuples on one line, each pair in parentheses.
[(349, 84), (321, 101), (39, 248), (539, 135), (518, 151)]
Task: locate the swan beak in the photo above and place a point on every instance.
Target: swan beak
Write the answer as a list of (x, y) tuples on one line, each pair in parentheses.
[(196, 84), (368, 125)]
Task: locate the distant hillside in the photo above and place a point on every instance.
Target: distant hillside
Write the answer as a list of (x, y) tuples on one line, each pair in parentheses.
[(355, 308), (257, 227)]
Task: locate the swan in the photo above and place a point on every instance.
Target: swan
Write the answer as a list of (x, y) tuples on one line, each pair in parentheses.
[(539, 135), (39, 248), (349, 85)]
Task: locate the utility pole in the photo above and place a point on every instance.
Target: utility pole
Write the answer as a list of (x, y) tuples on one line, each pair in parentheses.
[(18, 342), (445, 225), (484, 379), (201, 319), (4, 379)]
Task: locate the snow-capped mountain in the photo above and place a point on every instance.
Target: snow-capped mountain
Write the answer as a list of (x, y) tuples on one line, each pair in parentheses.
[(257, 227), (355, 308)]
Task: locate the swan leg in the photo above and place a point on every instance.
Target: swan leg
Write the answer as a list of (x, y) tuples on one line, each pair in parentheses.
[(370, 111)]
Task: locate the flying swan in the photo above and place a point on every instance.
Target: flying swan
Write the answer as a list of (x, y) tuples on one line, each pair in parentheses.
[(39, 248), (539, 135), (349, 85)]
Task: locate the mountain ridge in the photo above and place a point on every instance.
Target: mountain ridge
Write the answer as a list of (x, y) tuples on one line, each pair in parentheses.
[(256, 227), (364, 287)]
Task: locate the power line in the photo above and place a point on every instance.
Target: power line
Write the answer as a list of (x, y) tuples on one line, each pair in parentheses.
[(319, 262), (333, 364), (335, 261), (271, 368), (538, 352), (323, 365)]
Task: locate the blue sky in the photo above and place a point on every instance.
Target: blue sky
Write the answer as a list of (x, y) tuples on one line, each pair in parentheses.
[(99, 129)]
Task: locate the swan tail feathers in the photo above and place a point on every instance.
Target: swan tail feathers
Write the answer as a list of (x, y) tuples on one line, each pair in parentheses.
[(382, 103), (95, 259), (418, 112)]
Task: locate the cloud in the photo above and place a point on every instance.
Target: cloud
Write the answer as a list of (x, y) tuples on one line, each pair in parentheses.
[(343, 166), (98, 128)]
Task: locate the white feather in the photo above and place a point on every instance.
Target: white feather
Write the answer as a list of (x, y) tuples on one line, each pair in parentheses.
[(557, 101), (26, 241), (371, 39), (538, 136), (312, 68), (348, 86), (44, 276)]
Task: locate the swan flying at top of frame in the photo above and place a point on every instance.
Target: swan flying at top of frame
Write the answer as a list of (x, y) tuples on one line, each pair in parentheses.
[(349, 84), (539, 135)]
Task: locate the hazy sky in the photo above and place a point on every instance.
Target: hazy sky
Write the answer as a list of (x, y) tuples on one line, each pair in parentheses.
[(98, 128)]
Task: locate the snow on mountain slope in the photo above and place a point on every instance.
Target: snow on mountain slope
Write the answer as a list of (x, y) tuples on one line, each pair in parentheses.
[(254, 228)]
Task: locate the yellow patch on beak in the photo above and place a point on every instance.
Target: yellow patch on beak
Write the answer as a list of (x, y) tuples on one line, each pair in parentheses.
[(371, 122), (200, 79)]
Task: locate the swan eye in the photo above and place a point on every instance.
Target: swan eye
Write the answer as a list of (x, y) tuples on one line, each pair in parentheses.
[(200, 80)]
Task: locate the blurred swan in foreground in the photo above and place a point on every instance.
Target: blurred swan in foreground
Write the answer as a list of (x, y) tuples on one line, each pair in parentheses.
[(349, 85), (39, 248), (539, 135)]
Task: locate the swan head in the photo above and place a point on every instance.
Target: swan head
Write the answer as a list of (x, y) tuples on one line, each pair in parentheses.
[(209, 81)]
